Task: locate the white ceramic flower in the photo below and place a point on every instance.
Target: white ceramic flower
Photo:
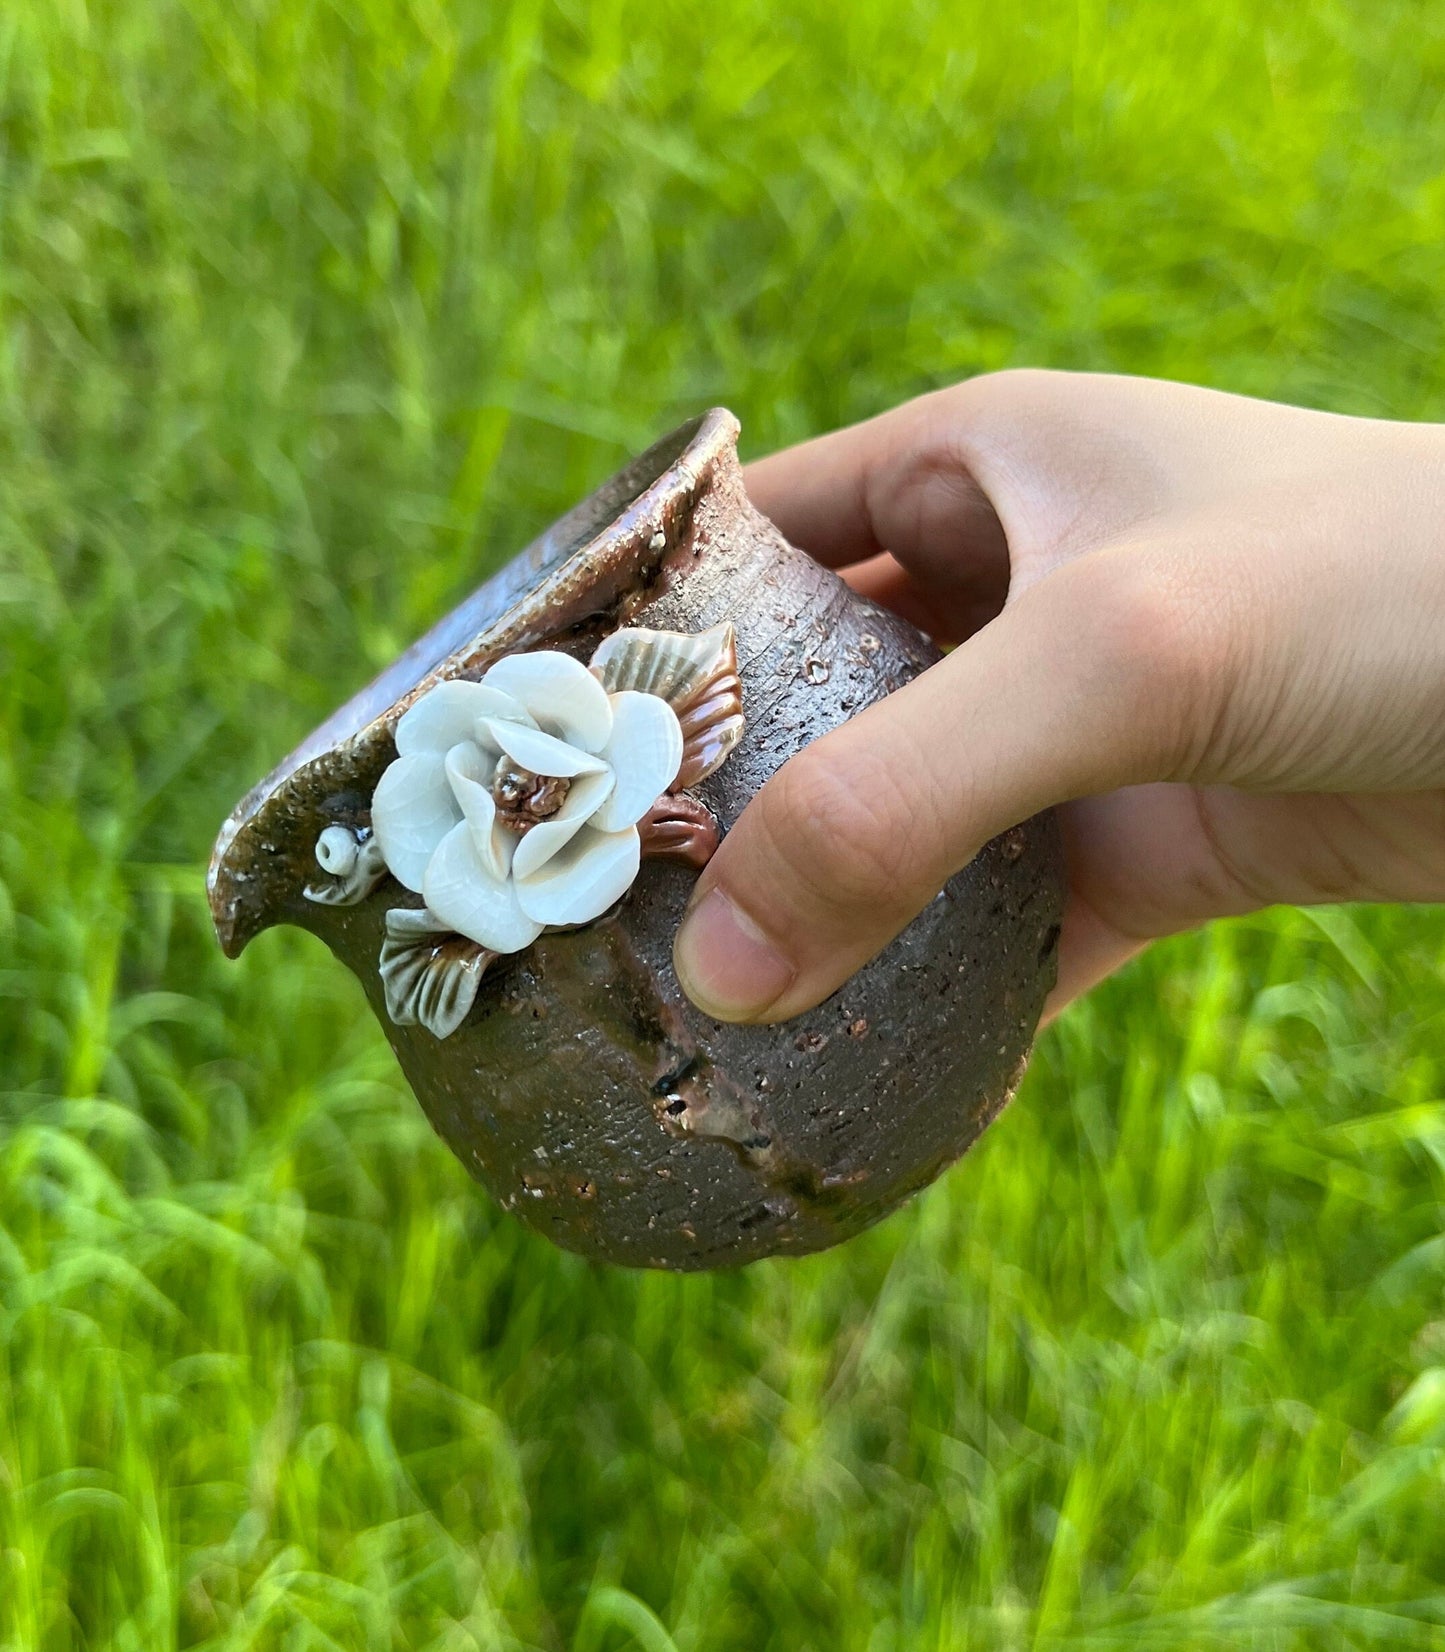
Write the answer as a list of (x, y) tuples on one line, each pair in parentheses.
[(513, 802)]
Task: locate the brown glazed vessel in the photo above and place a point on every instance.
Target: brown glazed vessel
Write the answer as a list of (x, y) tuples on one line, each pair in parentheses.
[(583, 1089)]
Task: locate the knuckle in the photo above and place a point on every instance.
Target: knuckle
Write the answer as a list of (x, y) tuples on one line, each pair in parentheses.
[(1011, 406), (843, 830), (1006, 387), (1009, 430)]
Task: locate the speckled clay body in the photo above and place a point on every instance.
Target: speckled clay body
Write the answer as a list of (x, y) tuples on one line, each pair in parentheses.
[(583, 1089)]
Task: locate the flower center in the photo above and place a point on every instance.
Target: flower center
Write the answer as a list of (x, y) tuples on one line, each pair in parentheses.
[(525, 799)]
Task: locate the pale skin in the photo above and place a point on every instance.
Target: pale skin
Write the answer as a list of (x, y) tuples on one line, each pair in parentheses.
[(1210, 629)]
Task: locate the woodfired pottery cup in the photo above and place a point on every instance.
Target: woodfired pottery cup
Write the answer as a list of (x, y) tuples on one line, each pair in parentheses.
[(580, 1085)]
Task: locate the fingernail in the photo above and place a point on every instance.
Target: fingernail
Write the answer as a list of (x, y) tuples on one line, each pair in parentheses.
[(726, 965)]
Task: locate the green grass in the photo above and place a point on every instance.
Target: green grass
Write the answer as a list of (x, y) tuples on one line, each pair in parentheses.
[(309, 313)]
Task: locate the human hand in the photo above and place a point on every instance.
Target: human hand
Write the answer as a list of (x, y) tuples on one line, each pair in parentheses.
[(1211, 628)]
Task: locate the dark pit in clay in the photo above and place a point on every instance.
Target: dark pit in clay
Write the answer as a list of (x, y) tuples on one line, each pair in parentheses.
[(583, 1089)]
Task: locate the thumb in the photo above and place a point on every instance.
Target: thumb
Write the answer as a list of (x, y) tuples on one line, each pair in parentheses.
[(1088, 681)]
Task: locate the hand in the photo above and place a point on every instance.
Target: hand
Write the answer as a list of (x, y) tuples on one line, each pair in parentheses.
[(1212, 629)]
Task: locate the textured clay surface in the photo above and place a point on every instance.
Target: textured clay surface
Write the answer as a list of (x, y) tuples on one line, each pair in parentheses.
[(584, 1090)]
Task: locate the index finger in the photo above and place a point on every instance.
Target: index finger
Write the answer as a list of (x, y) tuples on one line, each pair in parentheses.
[(900, 482)]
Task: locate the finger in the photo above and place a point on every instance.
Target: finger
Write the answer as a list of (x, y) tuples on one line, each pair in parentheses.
[(879, 579), (1149, 861), (902, 483), (885, 581), (1090, 949), (946, 616), (1140, 867), (1085, 683)]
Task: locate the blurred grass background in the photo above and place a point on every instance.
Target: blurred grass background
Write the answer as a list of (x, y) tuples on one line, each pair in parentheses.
[(309, 314)]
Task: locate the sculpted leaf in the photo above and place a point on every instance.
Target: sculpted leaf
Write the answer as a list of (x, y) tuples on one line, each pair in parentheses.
[(696, 675), (679, 828), (430, 974)]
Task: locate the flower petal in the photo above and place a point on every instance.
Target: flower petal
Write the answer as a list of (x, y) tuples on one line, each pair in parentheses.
[(448, 713), (463, 892), (588, 793), (539, 752), (412, 810), (583, 878), (470, 770), (560, 692), (645, 752)]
